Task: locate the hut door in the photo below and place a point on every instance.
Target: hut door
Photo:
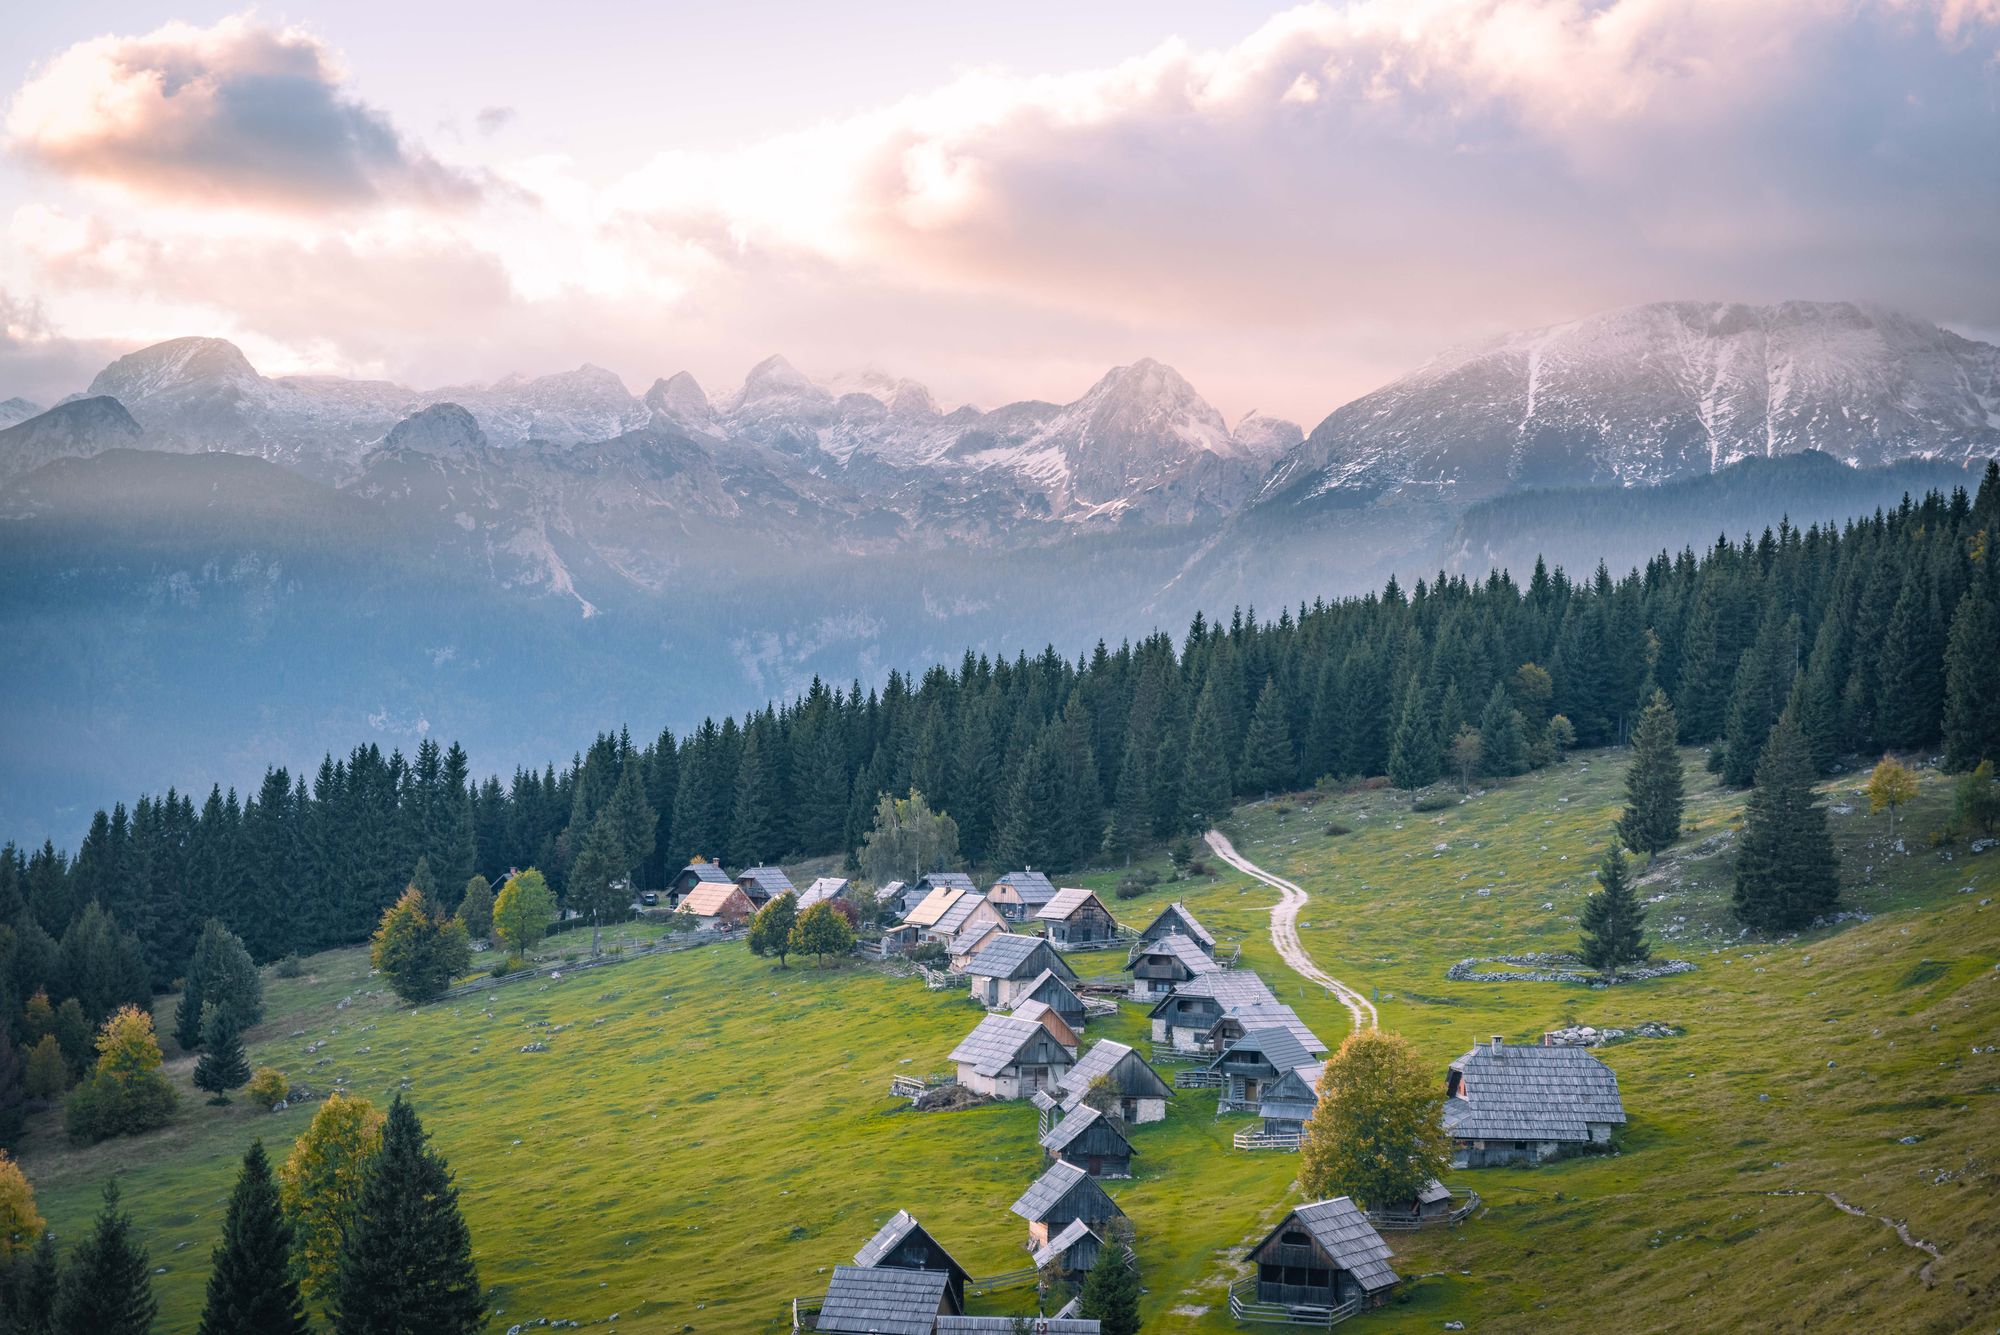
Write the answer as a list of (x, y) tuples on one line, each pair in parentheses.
[(1096, 1165)]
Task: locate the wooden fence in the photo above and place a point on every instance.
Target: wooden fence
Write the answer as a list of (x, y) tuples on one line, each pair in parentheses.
[(1243, 1305), (1404, 1222), (1198, 1079), (1259, 1140)]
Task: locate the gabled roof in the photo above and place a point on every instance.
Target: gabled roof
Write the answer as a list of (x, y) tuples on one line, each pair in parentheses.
[(892, 1235), (974, 939), (1187, 923), (1276, 1015), (1009, 956), (954, 880), (711, 897), (1434, 1191), (1051, 1187), (961, 910), (1066, 903), (995, 1042), (1293, 1096), (933, 906), (1031, 887), (772, 879), (1190, 954), (1077, 1121), (1344, 1232), (1276, 1046), (1531, 1093), (821, 890), (706, 871), (1073, 1232), (862, 1299), (1229, 988), (1051, 976), (1105, 1057)]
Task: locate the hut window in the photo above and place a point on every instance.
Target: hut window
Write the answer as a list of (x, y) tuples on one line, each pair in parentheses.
[(1271, 1273), (1295, 1275), (1294, 1238), (1316, 1278)]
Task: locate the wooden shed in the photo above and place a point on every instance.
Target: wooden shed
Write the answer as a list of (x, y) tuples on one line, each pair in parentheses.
[(1163, 964), (696, 873), (1142, 1094), (1073, 1252), (1049, 987), (1176, 920), (869, 1300), (764, 884), (1324, 1255), (1020, 895), (1006, 1057), (1050, 1019), (718, 904), (822, 890), (904, 1244), (1184, 1017), (1515, 1103), (1256, 1062), (1060, 1195), (1077, 918), (1001, 973), (1090, 1140), (1289, 1102)]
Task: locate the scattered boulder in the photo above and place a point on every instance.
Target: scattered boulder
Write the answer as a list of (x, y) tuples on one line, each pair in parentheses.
[(949, 1097)]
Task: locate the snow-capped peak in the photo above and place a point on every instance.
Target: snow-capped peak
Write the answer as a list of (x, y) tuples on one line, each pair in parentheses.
[(776, 378), (172, 364)]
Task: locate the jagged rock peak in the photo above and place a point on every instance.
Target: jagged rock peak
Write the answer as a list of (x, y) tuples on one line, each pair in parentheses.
[(164, 366), (1266, 436), (774, 377), (680, 396), (438, 429), (17, 409)]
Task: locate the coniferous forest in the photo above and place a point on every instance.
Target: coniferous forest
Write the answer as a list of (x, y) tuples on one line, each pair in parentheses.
[(1884, 634)]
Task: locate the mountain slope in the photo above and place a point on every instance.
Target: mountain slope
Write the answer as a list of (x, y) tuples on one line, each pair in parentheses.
[(66, 431)]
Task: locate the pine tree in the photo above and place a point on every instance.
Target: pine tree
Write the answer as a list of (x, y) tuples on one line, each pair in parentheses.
[(251, 1288), (1503, 742), (223, 1066), (1206, 792), (32, 1289), (13, 1091), (475, 908), (1786, 870), (406, 1263), (1971, 705), (1763, 682), (1654, 793), (107, 1287), (1131, 814), (1414, 755), (1268, 765), (1111, 1293), (1613, 920), (220, 974)]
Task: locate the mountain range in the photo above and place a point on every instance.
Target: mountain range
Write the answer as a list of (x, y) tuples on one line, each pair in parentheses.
[(208, 568)]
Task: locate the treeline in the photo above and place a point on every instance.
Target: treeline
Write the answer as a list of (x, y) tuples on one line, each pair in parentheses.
[(1881, 634)]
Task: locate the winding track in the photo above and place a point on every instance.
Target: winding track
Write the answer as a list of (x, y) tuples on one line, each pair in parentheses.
[(1285, 932)]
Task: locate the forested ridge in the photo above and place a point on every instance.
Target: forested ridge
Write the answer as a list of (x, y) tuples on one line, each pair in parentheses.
[(1883, 634)]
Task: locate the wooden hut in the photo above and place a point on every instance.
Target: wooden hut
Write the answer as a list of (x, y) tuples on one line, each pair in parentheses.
[(1006, 1057), (1050, 1019), (1176, 920), (1061, 1194), (904, 1244), (1163, 964), (1255, 1063), (971, 941), (864, 1299), (947, 911), (764, 884), (943, 880), (1142, 1094), (718, 904), (1020, 895), (1513, 1103), (1237, 1021), (1289, 1102), (1090, 1140), (1073, 1252), (696, 873), (1324, 1255), (898, 898), (1184, 1017), (823, 890), (1049, 987), (1077, 918), (1002, 971)]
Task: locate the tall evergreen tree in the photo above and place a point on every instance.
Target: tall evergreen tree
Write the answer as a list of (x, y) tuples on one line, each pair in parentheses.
[(406, 1264), (1111, 1292), (1414, 757), (251, 1288), (107, 1286), (1503, 742), (1654, 792), (1206, 792), (13, 1089), (1786, 870), (1971, 704), (1614, 922), (221, 973), (223, 1066), (1268, 765)]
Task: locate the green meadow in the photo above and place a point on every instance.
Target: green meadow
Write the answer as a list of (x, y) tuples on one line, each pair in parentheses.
[(706, 1134)]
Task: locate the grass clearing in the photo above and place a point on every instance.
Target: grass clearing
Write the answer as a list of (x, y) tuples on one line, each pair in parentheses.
[(707, 1134)]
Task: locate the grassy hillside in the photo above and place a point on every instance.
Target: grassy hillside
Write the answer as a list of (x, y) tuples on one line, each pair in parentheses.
[(706, 1134)]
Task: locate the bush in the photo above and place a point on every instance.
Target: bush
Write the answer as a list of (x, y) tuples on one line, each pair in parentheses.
[(104, 1106), (1198, 867), (681, 922), (1136, 883), (1335, 828), (1434, 802), (1281, 808), (291, 966), (502, 968), (268, 1087), (930, 952)]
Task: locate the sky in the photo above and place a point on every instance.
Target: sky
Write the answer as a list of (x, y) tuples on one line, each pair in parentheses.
[(1290, 205)]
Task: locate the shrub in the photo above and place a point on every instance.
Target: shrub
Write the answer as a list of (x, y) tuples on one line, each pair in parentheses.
[(681, 922), (1198, 867), (291, 966), (268, 1087), (1434, 802), (1181, 855), (1335, 828), (1281, 808), (502, 967), (930, 952), (128, 1093)]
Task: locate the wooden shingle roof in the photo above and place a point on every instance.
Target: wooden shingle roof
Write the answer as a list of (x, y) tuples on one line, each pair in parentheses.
[(1077, 1121), (1275, 1045), (1185, 949), (1135, 1075), (959, 911), (1514, 1092), (1049, 1190), (862, 1299), (707, 871), (995, 1042), (1012, 956), (1276, 1015), (1067, 902), (933, 906), (822, 890), (951, 880), (1344, 1232), (893, 1234), (1230, 989), (772, 879), (1183, 921), (1073, 1232), (1033, 888)]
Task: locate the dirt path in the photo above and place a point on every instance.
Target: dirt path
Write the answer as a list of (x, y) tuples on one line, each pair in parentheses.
[(1285, 932)]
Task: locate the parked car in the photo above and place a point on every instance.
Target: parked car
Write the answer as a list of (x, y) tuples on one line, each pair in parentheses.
[(649, 898)]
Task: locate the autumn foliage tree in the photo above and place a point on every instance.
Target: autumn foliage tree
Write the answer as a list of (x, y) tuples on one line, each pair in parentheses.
[(419, 948), (820, 932), (128, 1093), (320, 1185), (1890, 786), (771, 929), (20, 1221), (523, 912), (1378, 1133)]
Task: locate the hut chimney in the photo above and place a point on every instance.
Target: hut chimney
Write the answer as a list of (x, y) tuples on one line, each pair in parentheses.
[(1497, 1041)]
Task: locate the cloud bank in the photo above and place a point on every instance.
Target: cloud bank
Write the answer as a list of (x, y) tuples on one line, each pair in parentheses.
[(1290, 220)]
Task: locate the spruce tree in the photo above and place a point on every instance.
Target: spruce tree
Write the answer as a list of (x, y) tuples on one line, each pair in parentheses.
[(1503, 742), (107, 1287), (220, 973), (251, 1288), (1111, 1293), (1268, 764), (1206, 792), (1763, 683), (405, 1265), (1786, 870), (13, 1089), (1654, 796), (1414, 755), (1613, 920), (223, 1066), (31, 1289), (1971, 704), (1131, 813)]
